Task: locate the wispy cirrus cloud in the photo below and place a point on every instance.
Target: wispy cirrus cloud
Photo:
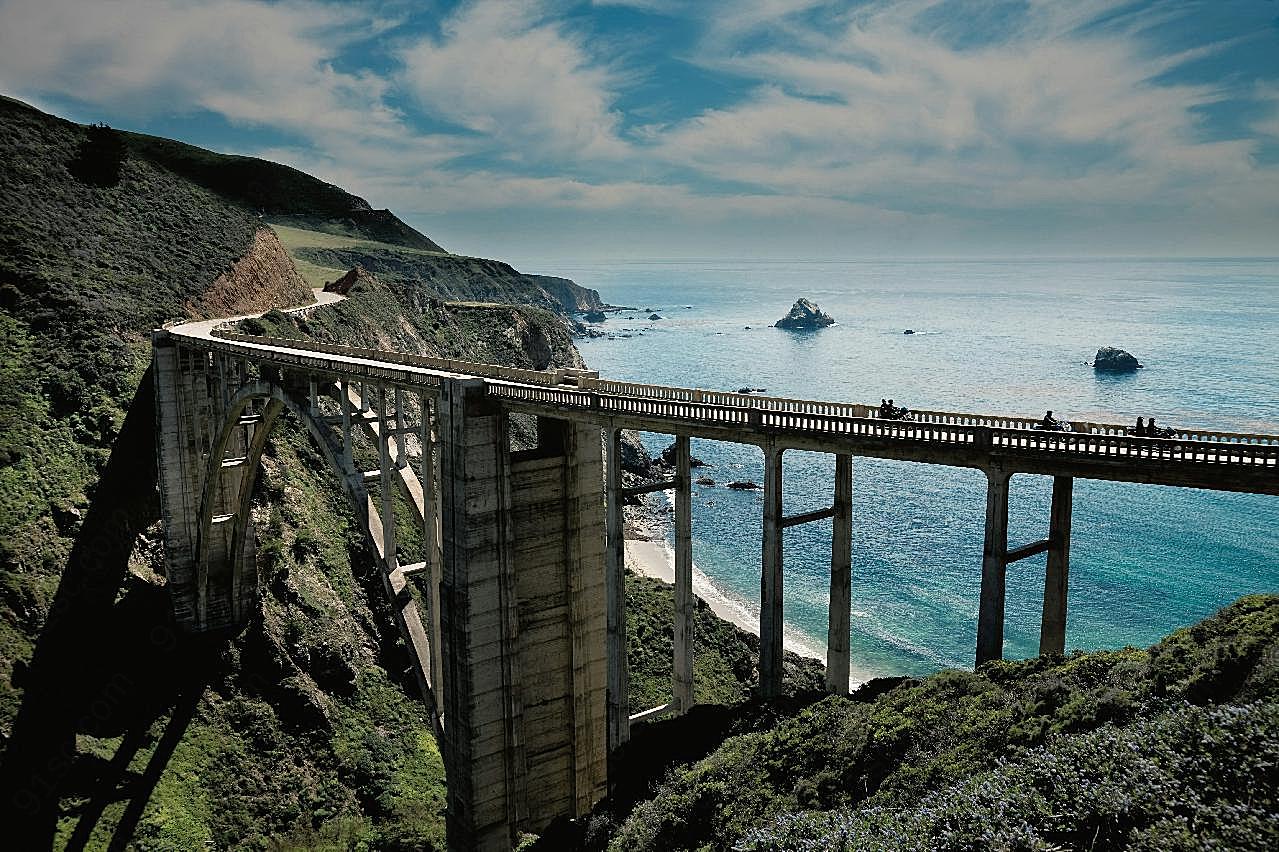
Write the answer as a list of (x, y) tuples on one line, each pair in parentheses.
[(255, 63), (508, 71), (983, 123)]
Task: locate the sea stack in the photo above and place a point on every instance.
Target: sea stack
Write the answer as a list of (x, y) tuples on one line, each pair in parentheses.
[(1111, 360), (805, 316)]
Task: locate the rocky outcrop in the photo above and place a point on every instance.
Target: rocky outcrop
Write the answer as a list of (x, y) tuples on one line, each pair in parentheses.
[(347, 282), (594, 316), (743, 485), (262, 279), (635, 458), (1111, 360), (572, 296), (805, 316)]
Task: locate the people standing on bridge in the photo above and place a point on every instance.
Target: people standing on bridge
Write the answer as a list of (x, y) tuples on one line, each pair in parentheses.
[(1152, 430), (1048, 422), (883, 408), (1141, 428)]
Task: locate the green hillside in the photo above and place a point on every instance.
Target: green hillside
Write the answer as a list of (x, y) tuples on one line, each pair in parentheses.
[(1175, 747)]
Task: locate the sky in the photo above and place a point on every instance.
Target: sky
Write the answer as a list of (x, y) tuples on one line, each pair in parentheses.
[(543, 131)]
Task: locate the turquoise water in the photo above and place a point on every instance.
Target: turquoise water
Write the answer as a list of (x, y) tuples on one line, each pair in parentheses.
[(1009, 337)]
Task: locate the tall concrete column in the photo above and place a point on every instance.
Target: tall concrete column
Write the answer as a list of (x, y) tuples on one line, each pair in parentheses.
[(838, 662), (990, 614), (770, 608), (401, 439), (387, 487), (431, 538), (619, 703), (180, 467), (682, 685), (344, 401), (483, 742), (1052, 627)]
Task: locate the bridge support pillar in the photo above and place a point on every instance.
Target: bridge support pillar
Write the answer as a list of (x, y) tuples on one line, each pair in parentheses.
[(841, 565), (990, 613), (209, 548), (684, 600), (619, 702), (770, 609), (523, 622), (1052, 629)]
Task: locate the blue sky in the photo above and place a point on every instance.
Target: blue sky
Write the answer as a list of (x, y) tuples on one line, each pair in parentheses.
[(539, 131)]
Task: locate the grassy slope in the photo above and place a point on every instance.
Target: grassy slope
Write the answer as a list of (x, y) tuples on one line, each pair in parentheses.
[(279, 191), (298, 240), (1174, 747), (323, 257)]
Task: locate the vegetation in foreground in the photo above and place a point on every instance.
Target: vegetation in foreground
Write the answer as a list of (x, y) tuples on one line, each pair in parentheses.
[(1174, 747)]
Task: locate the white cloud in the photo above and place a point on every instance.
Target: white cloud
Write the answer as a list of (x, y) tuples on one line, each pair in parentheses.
[(873, 118), (1046, 116), (254, 63), (504, 70)]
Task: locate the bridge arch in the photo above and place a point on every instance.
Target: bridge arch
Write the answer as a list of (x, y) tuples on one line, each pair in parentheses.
[(228, 491)]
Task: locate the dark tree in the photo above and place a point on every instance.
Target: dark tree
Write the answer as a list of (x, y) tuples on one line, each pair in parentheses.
[(100, 156)]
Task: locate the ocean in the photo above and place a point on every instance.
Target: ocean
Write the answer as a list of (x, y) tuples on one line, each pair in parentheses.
[(1008, 337)]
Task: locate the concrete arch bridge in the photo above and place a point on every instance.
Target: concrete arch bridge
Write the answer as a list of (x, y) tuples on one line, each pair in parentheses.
[(519, 644)]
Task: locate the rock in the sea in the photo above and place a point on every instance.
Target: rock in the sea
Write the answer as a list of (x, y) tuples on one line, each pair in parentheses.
[(743, 485), (1112, 360), (909, 331), (654, 316), (668, 457), (805, 316), (705, 480)]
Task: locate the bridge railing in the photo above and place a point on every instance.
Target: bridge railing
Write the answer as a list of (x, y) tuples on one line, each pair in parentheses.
[(960, 430), (1137, 448), (728, 408), (843, 409), (725, 398)]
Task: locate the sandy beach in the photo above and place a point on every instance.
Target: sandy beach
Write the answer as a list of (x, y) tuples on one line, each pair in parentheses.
[(653, 558)]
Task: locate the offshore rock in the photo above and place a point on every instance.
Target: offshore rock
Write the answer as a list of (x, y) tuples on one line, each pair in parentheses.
[(668, 457), (1112, 360), (594, 316), (805, 316), (744, 485)]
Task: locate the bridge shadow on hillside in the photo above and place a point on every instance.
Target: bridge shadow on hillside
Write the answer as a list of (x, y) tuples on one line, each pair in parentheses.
[(108, 663)]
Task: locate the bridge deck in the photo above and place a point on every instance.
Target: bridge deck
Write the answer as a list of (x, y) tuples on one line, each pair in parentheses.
[(1197, 458)]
